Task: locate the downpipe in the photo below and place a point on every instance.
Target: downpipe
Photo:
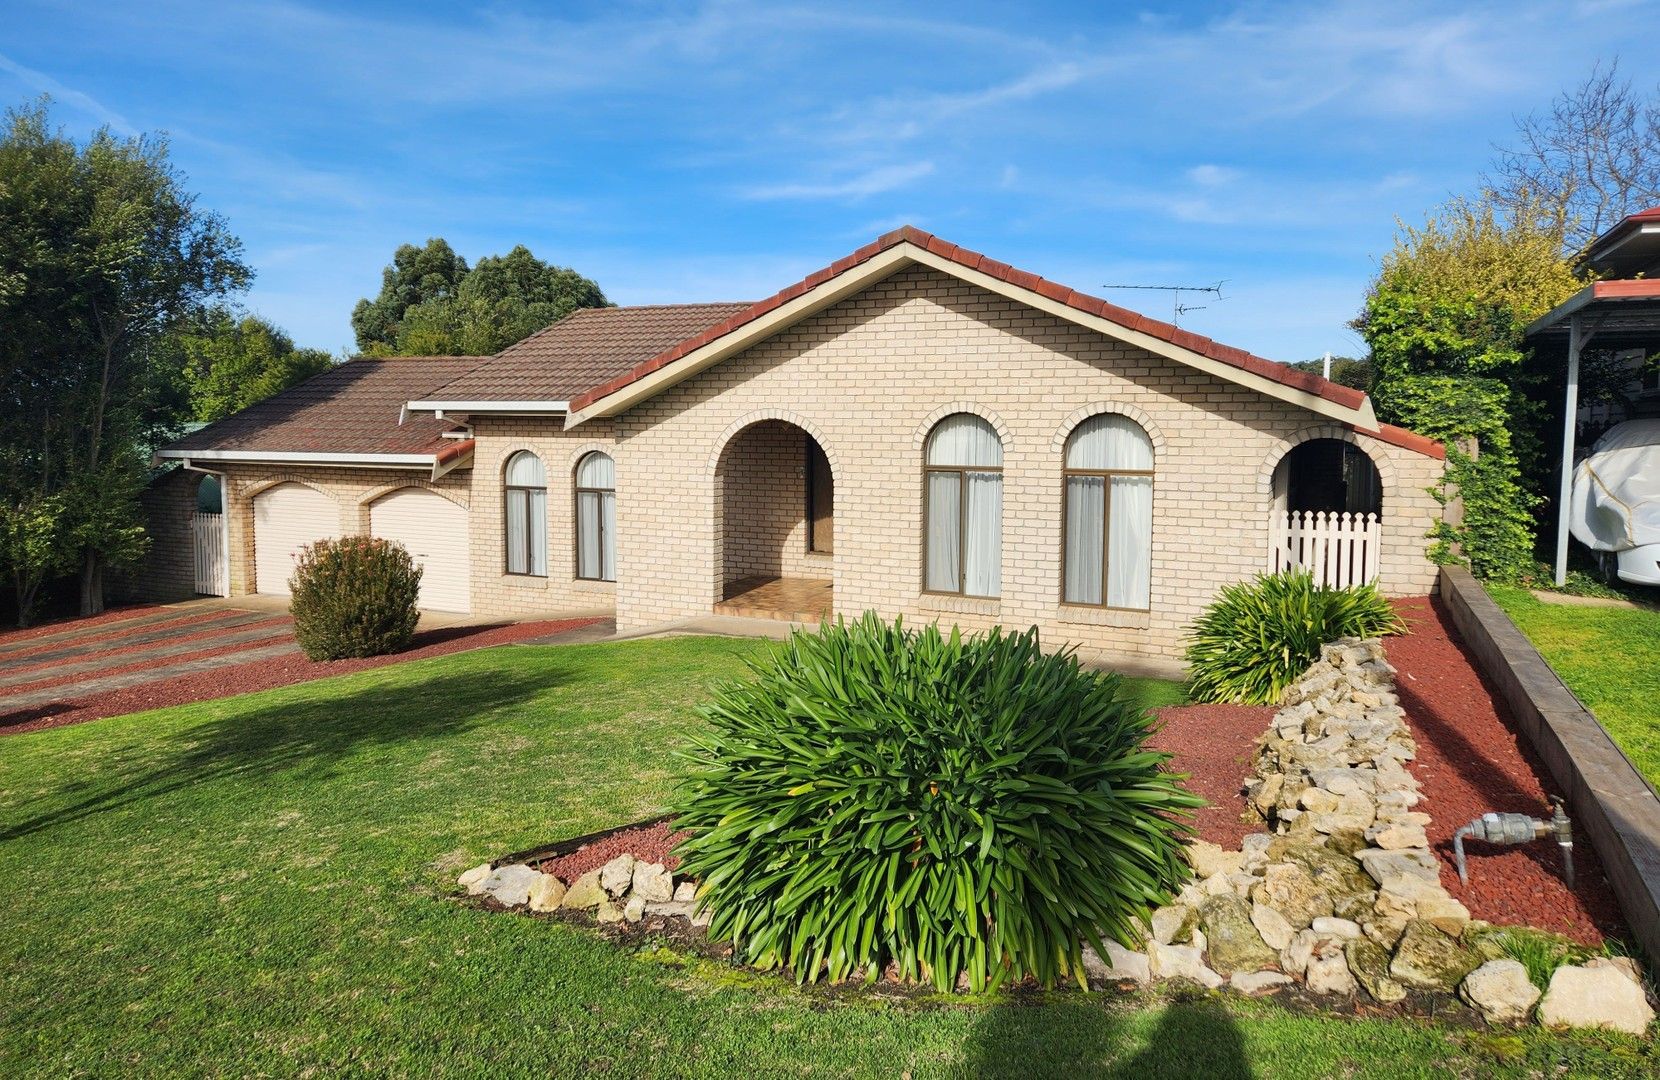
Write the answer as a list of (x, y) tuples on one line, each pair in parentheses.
[(1518, 829)]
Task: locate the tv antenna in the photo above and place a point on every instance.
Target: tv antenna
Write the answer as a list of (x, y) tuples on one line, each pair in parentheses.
[(1177, 308)]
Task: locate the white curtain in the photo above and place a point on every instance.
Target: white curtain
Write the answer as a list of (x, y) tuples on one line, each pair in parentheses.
[(963, 439), (538, 511), (944, 517), (596, 518), (1109, 441), (527, 515), (596, 470), (1130, 543), (608, 550), (524, 469), (1085, 529), (518, 556), (983, 544), (588, 558)]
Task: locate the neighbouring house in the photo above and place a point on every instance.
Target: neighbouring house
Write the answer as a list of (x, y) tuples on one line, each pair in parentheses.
[(915, 429)]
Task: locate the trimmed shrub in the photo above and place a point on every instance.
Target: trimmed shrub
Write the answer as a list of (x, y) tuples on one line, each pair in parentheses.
[(1258, 636), (354, 597), (952, 807)]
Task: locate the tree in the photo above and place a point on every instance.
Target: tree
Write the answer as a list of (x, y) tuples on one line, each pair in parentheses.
[(1445, 320), (1590, 160), (228, 363), (107, 254), (1345, 371), (501, 300), (417, 275)]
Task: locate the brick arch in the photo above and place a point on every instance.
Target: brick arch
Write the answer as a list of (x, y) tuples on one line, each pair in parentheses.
[(920, 438), (266, 483), (512, 450), (367, 500), (1276, 453), (749, 420), (1114, 408), (574, 458)]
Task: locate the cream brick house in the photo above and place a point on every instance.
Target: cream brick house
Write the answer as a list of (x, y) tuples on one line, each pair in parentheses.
[(915, 429)]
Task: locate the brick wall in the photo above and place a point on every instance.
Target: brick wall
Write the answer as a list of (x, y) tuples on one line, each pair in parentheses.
[(763, 479), (168, 570), (870, 376)]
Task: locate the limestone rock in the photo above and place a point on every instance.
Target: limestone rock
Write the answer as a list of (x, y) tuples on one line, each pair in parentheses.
[(1448, 915), (1408, 862), (1599, 997), (1119, 965), (608, 911), (1173, 924), (685, 892), (1293, 892), (473, 880), (1394, 837), (1234, 942), (585, 893), (652, 882), (1331, 926), (1427, 959), (1329, 974), (1209, 859), (635, 909), (1180, 962), (1275, 930), (616, 875), (510, 885), (1369, 963), (1333, 871), (1318, 801), (1294, 957), (1258, 982), (548, 893), (1500, 990)]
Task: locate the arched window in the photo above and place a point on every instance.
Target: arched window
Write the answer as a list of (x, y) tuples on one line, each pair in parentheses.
[(527, 515), (596, 517), (963, 474), (1109, 514)]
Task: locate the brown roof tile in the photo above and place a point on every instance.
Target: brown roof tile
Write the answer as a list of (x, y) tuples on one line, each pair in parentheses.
[(587, 347), (350, 409)]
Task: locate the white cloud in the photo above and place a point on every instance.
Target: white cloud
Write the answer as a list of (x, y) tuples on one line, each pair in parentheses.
[(42, 83), (1212, 175), (871, 182)]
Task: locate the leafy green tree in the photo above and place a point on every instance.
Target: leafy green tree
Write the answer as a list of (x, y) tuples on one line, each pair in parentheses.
[(228, 363), (1445, 320), (1345, 370), (501, 300), (106, 255), (417, 275)]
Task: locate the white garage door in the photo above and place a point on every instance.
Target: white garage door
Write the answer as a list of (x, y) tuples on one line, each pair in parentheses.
[(286, 518), (435, 532)]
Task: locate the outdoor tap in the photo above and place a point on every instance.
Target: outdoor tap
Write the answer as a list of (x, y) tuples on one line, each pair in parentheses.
[(1518, 829)]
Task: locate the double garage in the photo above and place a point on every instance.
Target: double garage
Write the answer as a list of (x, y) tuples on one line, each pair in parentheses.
[(434, 529)]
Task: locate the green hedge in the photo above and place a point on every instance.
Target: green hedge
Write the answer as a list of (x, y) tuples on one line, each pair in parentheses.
[(953, 807), (354, 597)]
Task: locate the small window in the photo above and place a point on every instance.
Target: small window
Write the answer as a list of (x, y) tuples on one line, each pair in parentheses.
[(963, 508), (596, 517), (821, 501), (527, 515), (1108, 514)]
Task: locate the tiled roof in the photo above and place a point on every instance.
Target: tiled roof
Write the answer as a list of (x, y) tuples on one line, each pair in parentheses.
[(1204, 346), (585, 348), (350, 409)]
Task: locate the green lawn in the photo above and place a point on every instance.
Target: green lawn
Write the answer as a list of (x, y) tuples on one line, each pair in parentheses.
[(263, 885), (1610, 659)]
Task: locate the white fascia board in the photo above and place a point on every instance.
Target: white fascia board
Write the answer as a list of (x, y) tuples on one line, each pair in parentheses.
[(1560, 312), (906, 254), (521, 408), (295, 457)]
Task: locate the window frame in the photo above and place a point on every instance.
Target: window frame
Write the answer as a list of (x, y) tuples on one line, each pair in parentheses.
[(1106, 475), (577, 491), (812, 481), (962, 472), (509, 490)]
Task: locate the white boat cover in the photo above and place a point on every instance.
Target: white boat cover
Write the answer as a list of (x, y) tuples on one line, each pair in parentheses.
[(1615, 504)]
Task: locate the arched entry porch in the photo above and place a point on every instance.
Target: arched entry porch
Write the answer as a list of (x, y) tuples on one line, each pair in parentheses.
[(775, 524), (1327, 512)]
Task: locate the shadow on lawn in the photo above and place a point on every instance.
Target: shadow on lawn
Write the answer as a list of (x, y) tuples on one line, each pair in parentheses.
[(1192, 1038), (249, 742)]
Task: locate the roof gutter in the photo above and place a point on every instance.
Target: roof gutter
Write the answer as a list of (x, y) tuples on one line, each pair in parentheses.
[(294, 457)]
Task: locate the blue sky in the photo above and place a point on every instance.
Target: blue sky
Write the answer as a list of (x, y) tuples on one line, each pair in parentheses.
[(720, 151)]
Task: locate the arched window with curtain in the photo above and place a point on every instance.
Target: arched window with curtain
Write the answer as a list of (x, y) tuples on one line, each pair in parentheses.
[(963, 526), (596, 517), (526, 483), (1109, 514)]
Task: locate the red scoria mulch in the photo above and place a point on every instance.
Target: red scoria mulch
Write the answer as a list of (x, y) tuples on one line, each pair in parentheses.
[(1214, 744), (236, 678), (648, 843), (119, 658), (1472, 759)]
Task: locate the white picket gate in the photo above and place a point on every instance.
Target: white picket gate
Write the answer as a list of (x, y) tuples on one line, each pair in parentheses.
[(207, 532), (1338, 549)]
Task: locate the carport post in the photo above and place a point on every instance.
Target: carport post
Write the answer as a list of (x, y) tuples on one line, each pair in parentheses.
[(1570, 415)]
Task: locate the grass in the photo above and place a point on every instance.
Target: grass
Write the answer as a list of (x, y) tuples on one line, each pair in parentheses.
[(1610, 659), (264, 885)]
